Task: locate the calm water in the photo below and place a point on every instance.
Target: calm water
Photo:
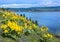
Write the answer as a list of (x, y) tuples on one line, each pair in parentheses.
[(49, 19)]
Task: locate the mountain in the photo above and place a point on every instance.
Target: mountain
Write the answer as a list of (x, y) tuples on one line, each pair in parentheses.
[(35, 9)]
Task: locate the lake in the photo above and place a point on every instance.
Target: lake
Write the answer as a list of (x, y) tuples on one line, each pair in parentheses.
[(49, 19)]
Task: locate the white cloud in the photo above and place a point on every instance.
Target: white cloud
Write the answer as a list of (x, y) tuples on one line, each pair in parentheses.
[(49, 2), (18, 5), (43, 3)]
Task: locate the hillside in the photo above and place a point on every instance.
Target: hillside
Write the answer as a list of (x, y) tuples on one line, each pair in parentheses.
[(18, 28), (35, 9)]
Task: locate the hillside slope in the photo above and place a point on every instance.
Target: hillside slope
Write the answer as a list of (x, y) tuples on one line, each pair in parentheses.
[(18, 28)]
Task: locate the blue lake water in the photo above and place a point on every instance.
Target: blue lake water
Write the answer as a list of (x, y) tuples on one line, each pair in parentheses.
[(49, 19)]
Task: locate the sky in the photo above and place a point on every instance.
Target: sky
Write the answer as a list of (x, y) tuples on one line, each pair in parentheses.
[(29, 3)]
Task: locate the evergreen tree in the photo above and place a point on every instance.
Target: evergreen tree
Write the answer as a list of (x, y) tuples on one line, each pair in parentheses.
[(3, 9), (20, 14), (30, 18), (23, 15), (36, 22)]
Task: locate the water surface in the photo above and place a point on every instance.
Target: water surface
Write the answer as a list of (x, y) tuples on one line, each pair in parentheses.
[(49, 19)]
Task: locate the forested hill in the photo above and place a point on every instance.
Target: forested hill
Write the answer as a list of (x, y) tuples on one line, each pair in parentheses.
[(35, 9)]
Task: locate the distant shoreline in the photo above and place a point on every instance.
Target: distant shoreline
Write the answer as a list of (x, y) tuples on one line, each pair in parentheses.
[(35, 9)]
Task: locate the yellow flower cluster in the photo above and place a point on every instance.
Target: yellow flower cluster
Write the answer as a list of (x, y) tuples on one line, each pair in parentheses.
[(32, 26), (4, 26), (43, 28), (14, 16), (48, 35), (6, 31), (25, 25), (35, 26), (18, 24), (3, 15), (15, 27)]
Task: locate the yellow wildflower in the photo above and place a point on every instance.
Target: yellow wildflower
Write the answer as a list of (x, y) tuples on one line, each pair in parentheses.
[(35, 26), (22, 18), (9, 23), (14, 26), (14, 17), (18, 33), (3, 15), (18, 28), (30, 27), (43, 28), (45, 36), (21, 28), (8, 14), (48, 35), (28, 21), (4, 26), (5, 31), (25, 25)]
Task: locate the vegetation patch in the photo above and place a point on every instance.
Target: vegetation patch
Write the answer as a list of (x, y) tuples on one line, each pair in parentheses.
[(18, 28)]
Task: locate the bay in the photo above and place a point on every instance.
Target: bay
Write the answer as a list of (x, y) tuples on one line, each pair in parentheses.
[(49, 19)]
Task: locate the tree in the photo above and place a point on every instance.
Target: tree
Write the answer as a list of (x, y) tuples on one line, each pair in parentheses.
[(36, 22), (3, 8), (30, 18), (23, 15)]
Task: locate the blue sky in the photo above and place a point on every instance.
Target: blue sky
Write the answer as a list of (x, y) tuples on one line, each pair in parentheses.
[(28, 3)]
